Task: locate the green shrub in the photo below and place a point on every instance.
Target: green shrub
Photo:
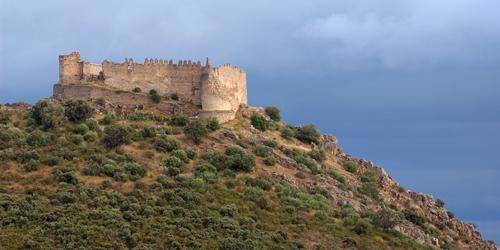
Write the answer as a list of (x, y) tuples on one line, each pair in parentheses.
[(220, 161), (385, 219), (77, 139), (273, 113), (362, 227), (369, 176), (36, 139), (259, 122), (261, 151), (270, 143), (81, 129), (196, 131), (168, 130), (213, 124), (191, 154), (229, 210), (120, 177), (47, 113), (136, 90), (154, 96), (115, 135), (351, 166), (166, 144), (413, 217), (77, 110), (90, 136), (181, 154), (148, 132), (332, 173), (179, 120), (300, 175), (270, 161), (174, 96), (134, 171), (317, 154), (370, 189), (100, 101), (31, 166), (207, 172), (308, 134), (173, 162), (287, 132), (439, 203), (92, 123), (107, 120)]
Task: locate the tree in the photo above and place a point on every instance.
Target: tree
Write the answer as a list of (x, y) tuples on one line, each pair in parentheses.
[(196, 130), (273, 113), (308, 134), (77, 110), (115, 135), (47, 113)]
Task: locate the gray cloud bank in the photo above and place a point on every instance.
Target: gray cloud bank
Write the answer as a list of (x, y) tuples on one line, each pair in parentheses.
[(412, 85)]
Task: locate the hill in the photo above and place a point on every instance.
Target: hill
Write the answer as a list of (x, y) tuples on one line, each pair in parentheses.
[(94, 175)]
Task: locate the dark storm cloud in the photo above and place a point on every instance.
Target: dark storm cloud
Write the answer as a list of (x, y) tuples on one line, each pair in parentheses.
[(412, 85)]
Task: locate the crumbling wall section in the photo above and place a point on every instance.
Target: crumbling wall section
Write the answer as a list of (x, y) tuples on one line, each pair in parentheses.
[(70, 68)]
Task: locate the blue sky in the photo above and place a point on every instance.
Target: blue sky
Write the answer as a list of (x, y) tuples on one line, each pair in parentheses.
[(412, 85)]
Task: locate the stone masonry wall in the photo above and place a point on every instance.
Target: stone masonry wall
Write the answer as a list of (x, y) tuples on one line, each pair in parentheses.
[(224, 88)]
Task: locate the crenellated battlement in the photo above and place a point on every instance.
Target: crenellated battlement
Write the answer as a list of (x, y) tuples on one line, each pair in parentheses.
[(216, 89)]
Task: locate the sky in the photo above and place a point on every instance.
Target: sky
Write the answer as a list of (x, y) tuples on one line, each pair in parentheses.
[(413, 86)]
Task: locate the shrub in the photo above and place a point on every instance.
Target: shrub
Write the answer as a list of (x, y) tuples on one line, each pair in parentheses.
[(270, 161), (207, 172), (136, 90), (191, 154), (450, 214), (181, 154), (369, 176), (154, 96), (31, 166), (362, 227), (288, 133), (100, 101), (107, 119), (90, 136), (242, 162), (270, 143), (413, 217), (166, 144), (36, 139), (77, 110), (179, 120), (351, 166), (174, 96), (259, 122), (308, 134), (148, 132), (81, 129), (196, 130), (121, 177), (77, 139), (317, 154), (439, 203), (92, 123), (273, 113), (47, 113), (261, 151), (134, 171), (300, 175), (115, 135), (370, 189), (213, 124), (173, 162), (385, 219)]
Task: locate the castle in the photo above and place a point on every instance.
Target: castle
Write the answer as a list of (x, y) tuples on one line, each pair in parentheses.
[(219, 90)]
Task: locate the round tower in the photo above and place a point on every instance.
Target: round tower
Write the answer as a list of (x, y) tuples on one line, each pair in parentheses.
[(70, 68)]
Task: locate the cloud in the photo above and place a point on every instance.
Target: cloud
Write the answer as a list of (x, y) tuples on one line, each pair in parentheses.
[(421, 33)]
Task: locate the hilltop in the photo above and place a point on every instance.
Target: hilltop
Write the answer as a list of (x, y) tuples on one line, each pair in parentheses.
[(98, 175)]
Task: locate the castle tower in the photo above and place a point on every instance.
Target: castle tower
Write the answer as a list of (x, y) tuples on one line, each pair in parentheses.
[(70, 68)]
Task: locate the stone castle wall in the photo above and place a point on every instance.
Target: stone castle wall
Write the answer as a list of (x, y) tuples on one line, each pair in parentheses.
[(217, 89)]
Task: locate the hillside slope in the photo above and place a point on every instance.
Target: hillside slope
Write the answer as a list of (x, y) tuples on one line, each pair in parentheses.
[(93, 175)]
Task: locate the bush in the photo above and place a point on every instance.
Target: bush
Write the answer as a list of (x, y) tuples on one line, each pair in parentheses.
[(107, 119), (270, 161), (77, 110), (36, 139), (362, 227), (413, 217), (241, 161), (115, 135), (351, 166), (370, 189), (308, 134), (31, 166), (136, 90), (154, 96), (385, 219), (134, 171), (90, 136), (81, 129), (181, 154), (179, 120), (47, 113), (166, 144), (270, 143), (196, 130), (439, 203), (148, 132), (92, 123), (174, 96), (207, 172), (273, 113), (259, 122), (213, 124), (100, 101), (288, 133), (261, 151), (317, 154), (173, 162)]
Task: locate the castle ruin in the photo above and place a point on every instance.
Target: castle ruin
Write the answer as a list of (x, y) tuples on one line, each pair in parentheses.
[(219, 90)]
